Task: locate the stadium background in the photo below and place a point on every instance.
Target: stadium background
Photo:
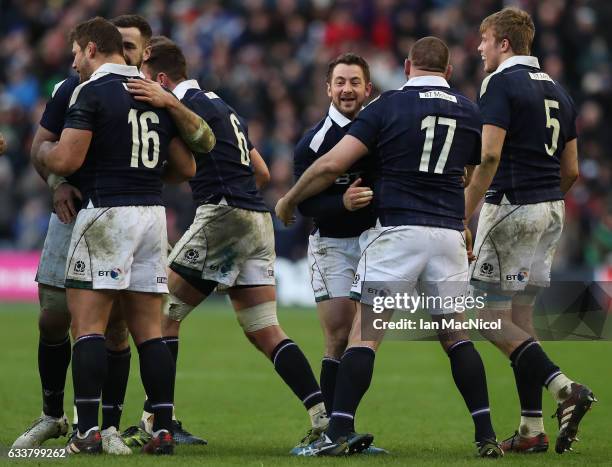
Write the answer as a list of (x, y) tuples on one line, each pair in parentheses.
[(268, 60)]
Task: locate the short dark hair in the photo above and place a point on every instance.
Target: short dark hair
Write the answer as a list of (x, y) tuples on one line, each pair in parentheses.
[(349, 59), (134, 21), (430, 54), (167, 57), (101, 32), (158, 40)]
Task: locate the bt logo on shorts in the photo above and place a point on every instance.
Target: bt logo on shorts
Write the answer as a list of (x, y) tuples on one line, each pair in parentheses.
[(79, 267), (191, 255), (113, 273), (522, 276)]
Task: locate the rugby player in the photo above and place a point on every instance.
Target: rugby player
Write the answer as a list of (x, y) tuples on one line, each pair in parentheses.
[(424, 136), (530, 156), (341, 213), (230, 243), (122, 149), (54, 321)]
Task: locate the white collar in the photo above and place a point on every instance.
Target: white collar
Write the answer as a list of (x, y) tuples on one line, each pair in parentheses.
[(337, 116), (429, 80), (526, 60), (116, 69), (184, 86)]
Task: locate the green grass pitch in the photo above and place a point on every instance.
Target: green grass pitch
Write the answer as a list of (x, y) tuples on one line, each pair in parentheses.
[(230, 394)]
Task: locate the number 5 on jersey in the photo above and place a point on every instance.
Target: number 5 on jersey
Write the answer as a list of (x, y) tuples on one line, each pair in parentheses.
[(141, 139)]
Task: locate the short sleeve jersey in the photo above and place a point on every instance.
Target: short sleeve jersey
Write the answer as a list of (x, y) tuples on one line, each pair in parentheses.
[(424, 135), (130, 141), (539, 118), (224, 175)]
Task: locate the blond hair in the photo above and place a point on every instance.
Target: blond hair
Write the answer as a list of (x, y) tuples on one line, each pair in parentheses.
[(512, 24)]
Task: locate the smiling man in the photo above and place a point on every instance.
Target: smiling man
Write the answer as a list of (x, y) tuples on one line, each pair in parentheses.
[(341, 213)]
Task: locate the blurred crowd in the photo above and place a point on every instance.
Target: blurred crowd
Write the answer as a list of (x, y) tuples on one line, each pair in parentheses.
[(268, 60)]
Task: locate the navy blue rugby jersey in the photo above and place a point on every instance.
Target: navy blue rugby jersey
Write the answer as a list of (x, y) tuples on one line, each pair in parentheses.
[(129, 145), (424, 135), (224, 175), (540, 118), (327, 209), (54, 116)]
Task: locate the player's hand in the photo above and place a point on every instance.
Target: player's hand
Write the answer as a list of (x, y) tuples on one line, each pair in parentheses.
[(284, 211), (64, 198), (357, 197), (150, 92), (2, 144), (467, 233)]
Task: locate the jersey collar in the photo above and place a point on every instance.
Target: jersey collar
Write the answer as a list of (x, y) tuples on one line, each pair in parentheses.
[(337, 116), (526, 60), (184, 86), (422, 81), (116, 69)]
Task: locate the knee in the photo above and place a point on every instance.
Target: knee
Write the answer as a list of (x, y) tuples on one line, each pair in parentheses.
[(336, 341), (117, 335), (54, 319)]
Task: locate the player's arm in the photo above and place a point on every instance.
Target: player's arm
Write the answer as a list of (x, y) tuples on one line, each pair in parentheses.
[(569, 165), (321, 174), (181, 164), (2, 144), (192, 128), (260, 169), (67, 155), (492, 143)]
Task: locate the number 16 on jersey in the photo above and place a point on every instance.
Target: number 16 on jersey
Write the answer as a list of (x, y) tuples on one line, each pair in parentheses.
[(142, 138)]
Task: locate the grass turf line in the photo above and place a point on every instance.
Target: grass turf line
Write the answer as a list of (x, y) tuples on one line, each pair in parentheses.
[(229, 393)]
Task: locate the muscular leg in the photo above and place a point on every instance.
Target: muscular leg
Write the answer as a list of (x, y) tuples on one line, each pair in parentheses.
[(53, 348), (336, 317), (156, 365), (256, 311), (90, 310), (469, 376), (118, 356), (529, 391), (354, 374)]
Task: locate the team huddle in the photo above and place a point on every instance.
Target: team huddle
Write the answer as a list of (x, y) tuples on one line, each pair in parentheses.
[(391, 188)]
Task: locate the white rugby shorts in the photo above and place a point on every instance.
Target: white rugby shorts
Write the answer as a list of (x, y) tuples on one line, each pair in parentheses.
[(333, 264), (52, 265), (120, 248), (515, 244), (227, 245), (398, 259)]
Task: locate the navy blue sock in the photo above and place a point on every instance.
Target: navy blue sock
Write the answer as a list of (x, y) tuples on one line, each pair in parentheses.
[(113, 393), (157, 370), (292, 366), (353, 380), (89, 369), (329, 373), (471, 380), (53, 361)]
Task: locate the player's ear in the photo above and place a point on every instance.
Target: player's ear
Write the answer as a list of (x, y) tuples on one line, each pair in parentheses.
[(448, 72), (368, 89), (407, 67), (90, 49), (504, 45), (329, 93)]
